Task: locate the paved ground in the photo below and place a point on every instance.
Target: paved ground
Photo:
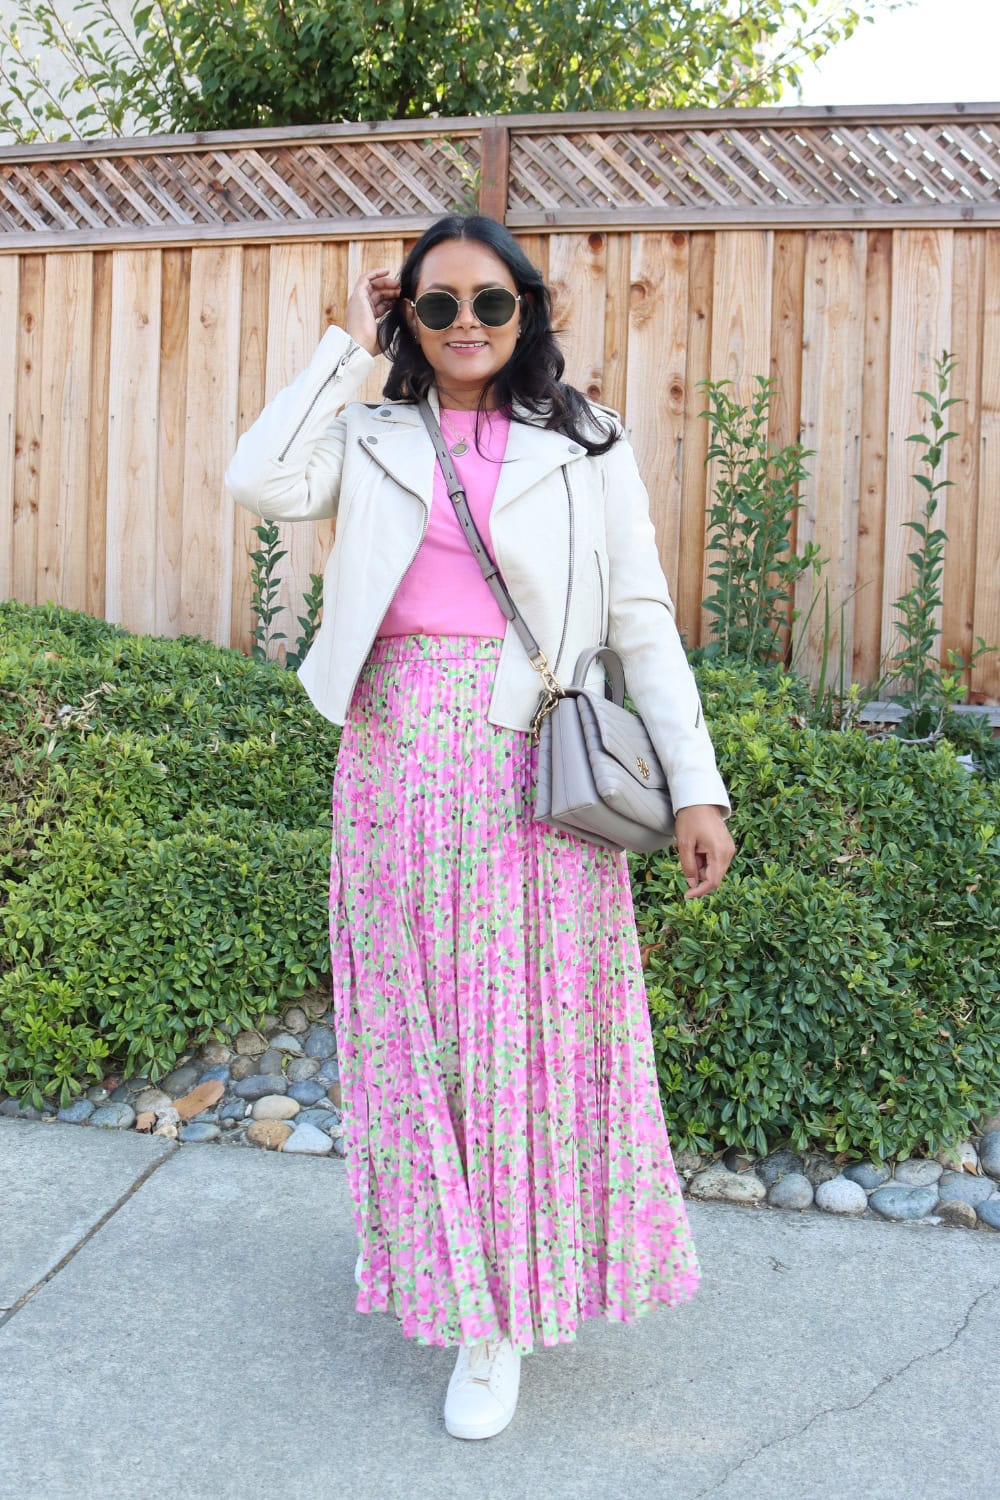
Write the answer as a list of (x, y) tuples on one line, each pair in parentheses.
[(177, 1323)]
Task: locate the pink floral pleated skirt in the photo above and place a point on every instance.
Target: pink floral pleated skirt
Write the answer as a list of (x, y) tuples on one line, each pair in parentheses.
[(506, 1149)]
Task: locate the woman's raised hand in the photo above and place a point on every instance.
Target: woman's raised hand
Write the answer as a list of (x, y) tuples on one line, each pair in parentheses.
[(373, 295)]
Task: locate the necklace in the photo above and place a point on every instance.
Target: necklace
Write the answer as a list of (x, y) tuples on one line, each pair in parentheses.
[(460, 446)]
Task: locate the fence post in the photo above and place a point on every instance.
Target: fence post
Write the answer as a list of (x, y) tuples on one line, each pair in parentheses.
[(494, 169)]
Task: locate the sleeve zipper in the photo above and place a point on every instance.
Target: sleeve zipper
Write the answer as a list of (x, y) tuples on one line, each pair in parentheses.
[(569, 580), (352, 348)]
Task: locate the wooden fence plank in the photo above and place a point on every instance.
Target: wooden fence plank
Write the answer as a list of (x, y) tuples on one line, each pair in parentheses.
[(175, 298), (617, 283), (577, 280), (62, 500), (96, 479), (959, 582), (293, 333), (786, 360), (133, 423), (334, 292), (209, 439), (986, 616), (741, 325), (921, 329), (867, 603), (28, 428), (369, 256), (832, 367), (494, 170), (654, 416), (252, 365), (10, 269), (691, 618), (536, 248)]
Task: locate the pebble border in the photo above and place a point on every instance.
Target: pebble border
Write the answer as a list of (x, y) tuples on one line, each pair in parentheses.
[(278, 1088), (960, 1187)]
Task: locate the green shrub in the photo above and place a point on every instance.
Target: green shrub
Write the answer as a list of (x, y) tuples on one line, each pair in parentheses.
[(164, 847), (841, 987), (164, 851)]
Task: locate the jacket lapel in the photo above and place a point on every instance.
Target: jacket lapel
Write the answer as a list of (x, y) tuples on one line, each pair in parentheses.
[(532, 453), (394, 436), (399, 444)]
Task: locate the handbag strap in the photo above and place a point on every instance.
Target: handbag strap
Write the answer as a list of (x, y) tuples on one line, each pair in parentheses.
[(487, 565)]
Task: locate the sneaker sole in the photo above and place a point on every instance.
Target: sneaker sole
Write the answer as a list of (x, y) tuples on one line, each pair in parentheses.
[(457, 1431)]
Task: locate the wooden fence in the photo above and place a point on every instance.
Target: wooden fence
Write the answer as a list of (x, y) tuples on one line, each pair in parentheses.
[(155, 293)]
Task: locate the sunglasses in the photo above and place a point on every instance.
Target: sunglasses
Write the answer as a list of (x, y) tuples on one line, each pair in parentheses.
[(493, 307)]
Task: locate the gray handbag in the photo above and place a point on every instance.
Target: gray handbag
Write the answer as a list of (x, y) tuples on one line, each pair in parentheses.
[(599, 777)]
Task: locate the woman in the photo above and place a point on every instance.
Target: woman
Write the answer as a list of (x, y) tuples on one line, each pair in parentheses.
[(508, 1159)]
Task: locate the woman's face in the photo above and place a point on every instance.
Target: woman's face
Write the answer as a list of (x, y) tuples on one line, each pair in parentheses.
[(466, 355)]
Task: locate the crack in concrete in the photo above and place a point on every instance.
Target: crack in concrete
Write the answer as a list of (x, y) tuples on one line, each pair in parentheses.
[(829, 1411), (74, 1250)]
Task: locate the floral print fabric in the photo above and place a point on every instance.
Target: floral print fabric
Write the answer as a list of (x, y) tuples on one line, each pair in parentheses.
[(506, 1150)]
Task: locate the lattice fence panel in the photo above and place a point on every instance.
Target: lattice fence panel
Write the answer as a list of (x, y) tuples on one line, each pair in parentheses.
[(299, 183), (850, 165), (760, 166)]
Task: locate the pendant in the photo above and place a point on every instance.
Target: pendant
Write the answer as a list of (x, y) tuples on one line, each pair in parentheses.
[(460, 447)]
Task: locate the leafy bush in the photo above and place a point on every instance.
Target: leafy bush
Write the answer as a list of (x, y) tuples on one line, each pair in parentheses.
[(163, 852), (915, 670), (163, 861), (841, 987), (236, 64), (752, 570)]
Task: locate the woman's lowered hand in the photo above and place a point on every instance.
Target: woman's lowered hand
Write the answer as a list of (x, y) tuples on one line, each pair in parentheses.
[(373, 295), (704, 846)]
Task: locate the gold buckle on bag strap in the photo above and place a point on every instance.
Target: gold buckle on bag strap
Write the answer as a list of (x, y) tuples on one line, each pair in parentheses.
[(550, 695)]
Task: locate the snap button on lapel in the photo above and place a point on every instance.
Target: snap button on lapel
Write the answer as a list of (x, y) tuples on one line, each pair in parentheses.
[(575, 448), (372, 440), (385, 412)]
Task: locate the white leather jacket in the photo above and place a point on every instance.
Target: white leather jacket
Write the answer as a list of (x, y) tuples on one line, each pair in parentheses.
[(571, 533)]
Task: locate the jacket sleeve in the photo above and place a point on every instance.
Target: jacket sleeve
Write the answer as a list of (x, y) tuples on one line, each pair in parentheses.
[(642, 629), (287, 465)]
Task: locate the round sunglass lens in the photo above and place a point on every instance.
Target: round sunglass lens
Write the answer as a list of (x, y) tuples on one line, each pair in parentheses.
[(494, 306), (436, 310)]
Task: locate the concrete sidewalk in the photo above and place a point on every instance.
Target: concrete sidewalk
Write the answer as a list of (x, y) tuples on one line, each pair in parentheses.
[(177, 1323)]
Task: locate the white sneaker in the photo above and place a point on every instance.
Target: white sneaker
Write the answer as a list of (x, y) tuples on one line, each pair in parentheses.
[(482, 1392)]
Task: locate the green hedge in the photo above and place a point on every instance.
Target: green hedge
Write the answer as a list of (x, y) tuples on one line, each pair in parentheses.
[(841, 987), (164, 863), (163, 857)]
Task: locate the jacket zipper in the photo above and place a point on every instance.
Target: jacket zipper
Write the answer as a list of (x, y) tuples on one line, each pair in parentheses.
[(569, 581), (379, 617), (351, 349), (600, 617)]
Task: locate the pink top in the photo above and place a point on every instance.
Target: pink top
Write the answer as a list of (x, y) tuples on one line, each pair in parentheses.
[(443, 592)]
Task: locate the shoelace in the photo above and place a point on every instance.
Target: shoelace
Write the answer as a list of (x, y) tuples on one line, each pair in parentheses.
[(481, 1358)]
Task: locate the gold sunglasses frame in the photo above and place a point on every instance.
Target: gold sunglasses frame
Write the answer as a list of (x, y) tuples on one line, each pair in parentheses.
[(461, 301)]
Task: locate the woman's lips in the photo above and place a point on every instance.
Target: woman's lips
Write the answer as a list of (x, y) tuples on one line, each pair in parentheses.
[(467, 349)]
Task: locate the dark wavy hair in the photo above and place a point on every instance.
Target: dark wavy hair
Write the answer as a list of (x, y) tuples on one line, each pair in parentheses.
[(532, 375)]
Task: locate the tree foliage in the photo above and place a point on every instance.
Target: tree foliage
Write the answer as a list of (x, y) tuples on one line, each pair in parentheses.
[(232, 64)]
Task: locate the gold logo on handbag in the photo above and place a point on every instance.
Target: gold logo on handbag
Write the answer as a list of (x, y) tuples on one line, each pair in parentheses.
[(643, 766)]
